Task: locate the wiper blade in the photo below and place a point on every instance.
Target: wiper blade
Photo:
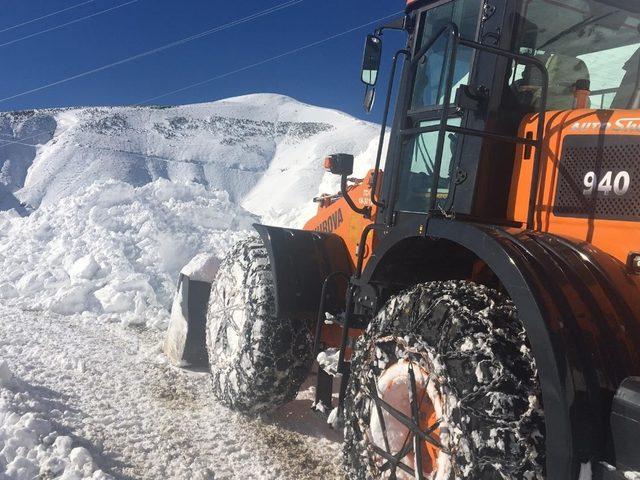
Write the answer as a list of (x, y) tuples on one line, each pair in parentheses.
[(573, 28)]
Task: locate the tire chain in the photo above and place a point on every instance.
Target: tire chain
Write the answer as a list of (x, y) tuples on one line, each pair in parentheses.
[(402, 330), (274, 354)]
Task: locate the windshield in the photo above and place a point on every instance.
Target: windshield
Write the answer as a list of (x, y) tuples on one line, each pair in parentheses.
[(580, 40), (429, 86)]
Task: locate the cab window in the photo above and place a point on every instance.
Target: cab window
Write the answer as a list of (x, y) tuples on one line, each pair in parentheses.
[(579, 40)]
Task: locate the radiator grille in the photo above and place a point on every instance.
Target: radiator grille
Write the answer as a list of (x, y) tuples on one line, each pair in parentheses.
[(589, 153)]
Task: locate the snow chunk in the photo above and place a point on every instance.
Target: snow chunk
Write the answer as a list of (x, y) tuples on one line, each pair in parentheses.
[(62, 445), (7, 290), (328, 360), (80, 457), (84, 267), (334, 419), (6, 378), (202, 268), (585, 472), (112, 300)]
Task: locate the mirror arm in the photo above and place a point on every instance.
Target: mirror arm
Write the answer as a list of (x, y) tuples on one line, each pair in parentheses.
[(401, 23), (369, 98), (365, 211)]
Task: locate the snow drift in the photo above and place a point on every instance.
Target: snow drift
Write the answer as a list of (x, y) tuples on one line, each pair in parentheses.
[(114, 249)]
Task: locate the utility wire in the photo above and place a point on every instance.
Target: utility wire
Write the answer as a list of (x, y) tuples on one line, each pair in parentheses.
[(232, 72), (219, 28), (268, 60), (6, 143), (46, 16), (68, 23)]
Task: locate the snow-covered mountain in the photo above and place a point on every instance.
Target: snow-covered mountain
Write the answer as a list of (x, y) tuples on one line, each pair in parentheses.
[(104, 206), (264, 150)]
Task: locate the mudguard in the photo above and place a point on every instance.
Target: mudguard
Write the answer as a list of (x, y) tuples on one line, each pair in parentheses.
[(581, 312), (301, 260)]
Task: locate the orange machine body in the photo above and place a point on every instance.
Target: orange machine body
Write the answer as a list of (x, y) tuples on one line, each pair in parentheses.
[(335, 216), (587, 173)]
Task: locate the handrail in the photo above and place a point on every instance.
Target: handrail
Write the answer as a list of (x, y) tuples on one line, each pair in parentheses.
[(383, 128), (454, 33), (524, 59), (451, 28)]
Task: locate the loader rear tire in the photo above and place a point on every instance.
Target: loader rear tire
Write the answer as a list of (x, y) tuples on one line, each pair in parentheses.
[(257, 360), (476, 378)]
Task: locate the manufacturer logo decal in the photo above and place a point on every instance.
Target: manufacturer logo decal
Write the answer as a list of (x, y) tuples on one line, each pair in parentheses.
[(628, 124), (331, 223)]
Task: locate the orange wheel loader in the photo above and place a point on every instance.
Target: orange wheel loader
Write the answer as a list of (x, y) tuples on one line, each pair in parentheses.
[(479, 302)]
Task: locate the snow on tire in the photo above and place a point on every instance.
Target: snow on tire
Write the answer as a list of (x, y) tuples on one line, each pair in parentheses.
[(466, 345), (257, 361)]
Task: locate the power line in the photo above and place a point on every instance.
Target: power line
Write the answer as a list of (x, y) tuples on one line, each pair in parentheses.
[(232, 72), (6, 143), (262, 62), (67, 23), (46, 16), (233, 23), (19, 143)]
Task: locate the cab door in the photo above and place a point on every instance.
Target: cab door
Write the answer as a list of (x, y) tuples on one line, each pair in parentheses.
[(423, 106)]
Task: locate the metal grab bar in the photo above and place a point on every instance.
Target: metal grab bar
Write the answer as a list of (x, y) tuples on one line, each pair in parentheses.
[(452, 29), (454, 38), (383, 128)]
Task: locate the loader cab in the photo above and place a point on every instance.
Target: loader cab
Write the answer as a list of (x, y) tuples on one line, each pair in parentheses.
[(466, 93)]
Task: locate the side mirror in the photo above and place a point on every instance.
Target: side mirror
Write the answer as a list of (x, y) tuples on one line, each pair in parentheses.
[(339, 164), (342, 164), (371, 60), (369, 98)]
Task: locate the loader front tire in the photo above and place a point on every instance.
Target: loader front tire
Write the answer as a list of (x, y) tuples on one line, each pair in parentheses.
[(257, 360), (458, 351)]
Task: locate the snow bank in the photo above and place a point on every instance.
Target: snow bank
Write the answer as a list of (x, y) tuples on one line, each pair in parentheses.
[(114, 249), (122, 198), (31, 448)]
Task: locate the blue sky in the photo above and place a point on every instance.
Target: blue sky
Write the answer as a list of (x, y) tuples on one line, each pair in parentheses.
[(326, 75)]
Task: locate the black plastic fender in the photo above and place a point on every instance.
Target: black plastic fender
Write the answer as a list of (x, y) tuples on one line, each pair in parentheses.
[(301, 260), (581, 312)]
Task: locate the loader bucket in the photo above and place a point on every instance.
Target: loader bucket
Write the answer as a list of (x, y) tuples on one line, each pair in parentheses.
[(185, 343)]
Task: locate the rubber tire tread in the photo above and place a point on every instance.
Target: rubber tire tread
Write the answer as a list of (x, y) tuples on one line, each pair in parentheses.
[(273, 355)]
